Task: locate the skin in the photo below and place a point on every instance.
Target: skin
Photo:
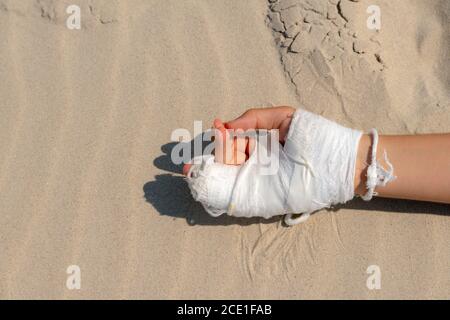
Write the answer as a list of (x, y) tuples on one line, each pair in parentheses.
[(421, 162)]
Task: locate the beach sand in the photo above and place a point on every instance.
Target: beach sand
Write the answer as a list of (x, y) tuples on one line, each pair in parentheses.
[(85, 141)]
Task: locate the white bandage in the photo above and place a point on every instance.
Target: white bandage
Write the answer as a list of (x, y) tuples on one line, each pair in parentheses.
[(316, 169), (376, 174)]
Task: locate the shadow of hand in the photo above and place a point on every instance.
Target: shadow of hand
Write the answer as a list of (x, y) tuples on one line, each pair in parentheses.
[(169, 193)]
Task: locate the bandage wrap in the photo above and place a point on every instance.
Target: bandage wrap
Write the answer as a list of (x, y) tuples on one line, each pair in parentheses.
[(325, 156), (316, 169)]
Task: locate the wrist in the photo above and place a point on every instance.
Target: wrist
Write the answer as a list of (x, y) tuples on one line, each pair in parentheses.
[(362, 161)]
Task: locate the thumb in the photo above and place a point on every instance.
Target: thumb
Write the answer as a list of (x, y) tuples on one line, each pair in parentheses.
[(244, 122)]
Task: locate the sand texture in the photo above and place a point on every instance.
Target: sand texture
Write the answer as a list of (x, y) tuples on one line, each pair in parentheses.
[(86, 118)]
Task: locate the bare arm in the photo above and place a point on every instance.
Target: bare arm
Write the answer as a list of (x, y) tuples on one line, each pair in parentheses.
[(421, 164)]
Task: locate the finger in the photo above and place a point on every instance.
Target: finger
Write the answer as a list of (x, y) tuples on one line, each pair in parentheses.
[(218, 124), (186, 168), (246, 121), (222, 143), (261, 118), (240, 146), (228, 148)]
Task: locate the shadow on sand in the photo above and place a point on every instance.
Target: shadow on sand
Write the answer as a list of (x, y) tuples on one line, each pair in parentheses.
[(169, 193)]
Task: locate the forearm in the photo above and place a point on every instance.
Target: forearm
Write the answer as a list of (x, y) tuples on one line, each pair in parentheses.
[(421, 164)]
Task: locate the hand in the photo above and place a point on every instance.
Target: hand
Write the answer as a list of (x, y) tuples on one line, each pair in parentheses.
[(264, 118), (239, 148)]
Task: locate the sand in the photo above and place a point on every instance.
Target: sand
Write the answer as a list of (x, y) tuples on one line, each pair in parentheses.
[(86, 120)]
